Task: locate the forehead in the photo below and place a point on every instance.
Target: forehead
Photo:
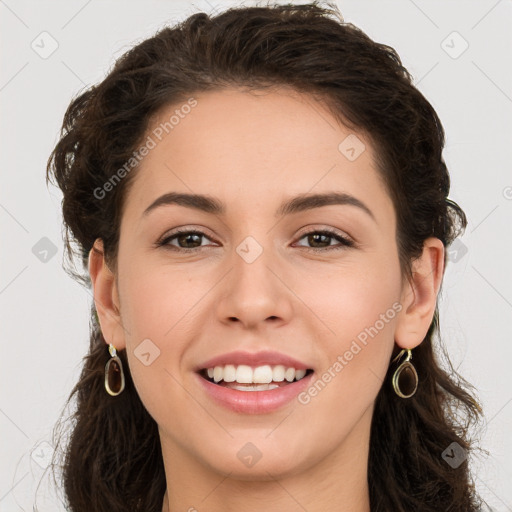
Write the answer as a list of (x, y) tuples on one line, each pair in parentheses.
[(250, 148)]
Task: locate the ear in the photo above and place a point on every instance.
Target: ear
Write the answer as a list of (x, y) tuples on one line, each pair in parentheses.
[(106, 298), (419, 296)]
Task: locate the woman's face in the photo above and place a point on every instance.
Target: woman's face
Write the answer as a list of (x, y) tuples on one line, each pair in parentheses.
[(259, 277)]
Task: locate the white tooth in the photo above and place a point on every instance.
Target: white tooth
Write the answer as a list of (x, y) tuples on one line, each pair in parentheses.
[(256, 387), (218, 372), (229, 373), (299, 374), (262, 374), (290, 374), (278, 373), (244, 374)]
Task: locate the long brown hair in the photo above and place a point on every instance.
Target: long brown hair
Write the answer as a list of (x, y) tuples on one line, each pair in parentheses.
[(112, 461)]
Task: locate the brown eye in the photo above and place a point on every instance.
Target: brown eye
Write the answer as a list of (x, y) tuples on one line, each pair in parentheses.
[(321, 240), (186, 239)]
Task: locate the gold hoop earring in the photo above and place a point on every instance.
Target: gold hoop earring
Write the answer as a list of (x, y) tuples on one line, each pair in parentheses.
[(405, 379), (114, 375)]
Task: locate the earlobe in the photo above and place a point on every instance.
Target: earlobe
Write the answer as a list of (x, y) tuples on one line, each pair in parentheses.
[(419, 296), (106, 298)]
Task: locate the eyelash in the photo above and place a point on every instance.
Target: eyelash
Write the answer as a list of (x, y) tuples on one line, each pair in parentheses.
[(344, 241)]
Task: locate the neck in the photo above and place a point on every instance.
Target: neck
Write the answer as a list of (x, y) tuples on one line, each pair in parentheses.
[(338, 482)]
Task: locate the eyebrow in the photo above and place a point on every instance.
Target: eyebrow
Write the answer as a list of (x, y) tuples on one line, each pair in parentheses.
[(297, 204)]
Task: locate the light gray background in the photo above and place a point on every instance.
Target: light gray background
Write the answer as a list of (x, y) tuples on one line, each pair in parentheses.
[(44, 314)]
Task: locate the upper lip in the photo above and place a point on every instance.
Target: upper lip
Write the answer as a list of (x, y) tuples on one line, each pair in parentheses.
[(265, 357)]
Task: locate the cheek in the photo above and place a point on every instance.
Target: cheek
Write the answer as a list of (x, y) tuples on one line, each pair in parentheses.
[(351, 297), (159, 316), (358, 312), (156, 300)]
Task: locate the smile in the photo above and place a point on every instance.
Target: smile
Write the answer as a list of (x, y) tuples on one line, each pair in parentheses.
[(253, 390)]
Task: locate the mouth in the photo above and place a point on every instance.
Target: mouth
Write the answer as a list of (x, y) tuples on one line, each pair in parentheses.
[(248, 389), (247, 378)]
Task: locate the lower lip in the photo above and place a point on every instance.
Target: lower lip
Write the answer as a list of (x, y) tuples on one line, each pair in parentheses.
[(255, 402)]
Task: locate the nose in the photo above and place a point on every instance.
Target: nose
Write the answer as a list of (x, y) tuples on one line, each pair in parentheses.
[(256, 290)]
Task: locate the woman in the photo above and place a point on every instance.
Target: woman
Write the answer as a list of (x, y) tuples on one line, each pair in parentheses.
[(285, 359)]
